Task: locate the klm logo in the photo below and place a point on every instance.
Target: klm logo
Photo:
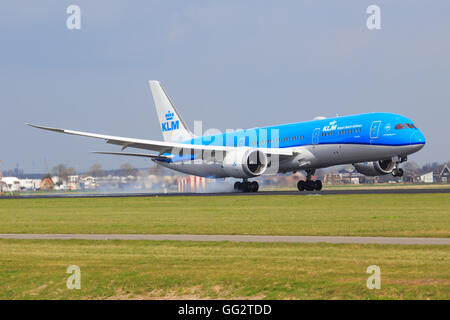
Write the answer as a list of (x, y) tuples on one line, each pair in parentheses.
[(169, 115), (170, 125), (331, 127)]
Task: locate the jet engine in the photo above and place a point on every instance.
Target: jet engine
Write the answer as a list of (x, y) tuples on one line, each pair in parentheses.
[(245, 163), (376, 168)]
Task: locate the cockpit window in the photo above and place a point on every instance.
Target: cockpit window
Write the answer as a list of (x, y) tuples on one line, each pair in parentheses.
[(399, 126), (410, 125)]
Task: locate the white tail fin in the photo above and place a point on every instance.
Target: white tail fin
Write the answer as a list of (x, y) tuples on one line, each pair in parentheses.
[(173, 128)]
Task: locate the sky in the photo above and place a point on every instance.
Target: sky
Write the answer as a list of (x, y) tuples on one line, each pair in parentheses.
[(231, 64)]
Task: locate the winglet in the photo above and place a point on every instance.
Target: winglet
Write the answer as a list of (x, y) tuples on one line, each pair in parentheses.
[(46, 128)]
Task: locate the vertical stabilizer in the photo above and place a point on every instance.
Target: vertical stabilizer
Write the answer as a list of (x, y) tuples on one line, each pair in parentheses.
[(172, 126)]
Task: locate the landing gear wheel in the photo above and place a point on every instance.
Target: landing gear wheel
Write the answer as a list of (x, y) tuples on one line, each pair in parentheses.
[(397, 172), (246, 186), (318, 185), (254, 186), (310, 185)]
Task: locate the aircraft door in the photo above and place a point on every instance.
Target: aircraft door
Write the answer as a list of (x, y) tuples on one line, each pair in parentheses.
[(374, 129), (315, 138)]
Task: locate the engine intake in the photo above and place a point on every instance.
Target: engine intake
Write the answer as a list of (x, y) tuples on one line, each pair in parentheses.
[(376, 168), (245, 163)]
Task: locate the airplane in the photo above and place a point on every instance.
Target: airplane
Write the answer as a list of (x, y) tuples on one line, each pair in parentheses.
[(374, 143)]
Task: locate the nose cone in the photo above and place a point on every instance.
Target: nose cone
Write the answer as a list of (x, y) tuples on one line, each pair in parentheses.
[(417, 140)]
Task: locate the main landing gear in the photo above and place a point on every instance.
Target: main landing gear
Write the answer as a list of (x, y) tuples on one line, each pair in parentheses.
[(246, 186), (309, 184)]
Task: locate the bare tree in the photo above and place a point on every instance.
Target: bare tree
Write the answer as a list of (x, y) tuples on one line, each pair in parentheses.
[(127, 169), (157, 170), (411, 168), (63, 172), (430, 167), (96, 170)]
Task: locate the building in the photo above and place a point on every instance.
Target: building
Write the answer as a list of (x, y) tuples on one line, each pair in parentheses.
[(444, 175), (427, 177), (333, 178), (30, 184), (11, 184), (47, 184), (88, 183), (347, 175)]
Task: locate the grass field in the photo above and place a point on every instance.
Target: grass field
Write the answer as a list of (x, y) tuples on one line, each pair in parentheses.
[(377, 186), (418, 215), (36, 269)]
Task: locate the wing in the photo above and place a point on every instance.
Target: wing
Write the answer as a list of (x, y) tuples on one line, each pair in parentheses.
[(159, 146)]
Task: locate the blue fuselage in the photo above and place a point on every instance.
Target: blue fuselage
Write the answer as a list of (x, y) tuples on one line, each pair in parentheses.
[(386, 129), (314, 144)]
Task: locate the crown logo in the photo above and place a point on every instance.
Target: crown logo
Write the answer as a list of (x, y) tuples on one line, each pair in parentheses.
[(169, 115)]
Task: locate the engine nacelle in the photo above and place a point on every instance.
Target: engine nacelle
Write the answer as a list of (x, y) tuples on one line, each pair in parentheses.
[(376, 168), (245, 163)]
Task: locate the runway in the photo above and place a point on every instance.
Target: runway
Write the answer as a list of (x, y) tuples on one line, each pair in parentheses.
[(261, 193), (232, 238)]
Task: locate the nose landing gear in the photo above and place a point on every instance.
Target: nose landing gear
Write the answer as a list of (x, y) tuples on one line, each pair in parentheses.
[(398, 172), (309, 184), (246, 186)]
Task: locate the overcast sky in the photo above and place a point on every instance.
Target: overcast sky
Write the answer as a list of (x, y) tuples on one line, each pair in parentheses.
[(232, 64)]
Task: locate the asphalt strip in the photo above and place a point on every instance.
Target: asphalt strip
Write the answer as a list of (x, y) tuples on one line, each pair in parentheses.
[(232, 238)]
